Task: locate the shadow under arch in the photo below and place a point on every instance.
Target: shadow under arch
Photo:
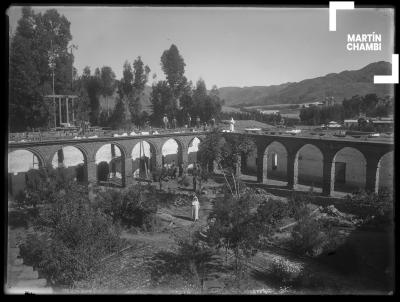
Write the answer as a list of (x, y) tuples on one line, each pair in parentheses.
[(169, 158), (274, 161), (193, 155), (41, 160), (348, 172), (385, 172), (79, 170), (111, 165), (143, 158), (308, 167), (17, 175)]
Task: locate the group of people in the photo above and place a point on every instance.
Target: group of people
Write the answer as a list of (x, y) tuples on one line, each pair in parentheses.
[(172, 171), (196, 123)]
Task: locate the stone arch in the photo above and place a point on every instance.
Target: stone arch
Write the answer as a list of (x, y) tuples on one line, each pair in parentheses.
[(192, 151), (17, 169), (348, 170), (76, 167), (308, 166), (39, 156), (249, 162), (168, 153), (115, 163), (385, 172), (149, 162), (275, 162)]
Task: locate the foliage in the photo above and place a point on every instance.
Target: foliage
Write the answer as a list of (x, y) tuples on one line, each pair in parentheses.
[(42, 185), (127, 207), (233, 226), (285, 270), (194, 254), (131, 89), (310, 236), (185, 180), (161, 99), (375, 208), (71, 237), (173, 66), (225, 152), (269, 215), (211, 149), (370, 104), (176, 98), (36, 36)]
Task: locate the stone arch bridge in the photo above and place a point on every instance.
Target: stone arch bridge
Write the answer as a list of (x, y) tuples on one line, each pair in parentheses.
[(329, 147)]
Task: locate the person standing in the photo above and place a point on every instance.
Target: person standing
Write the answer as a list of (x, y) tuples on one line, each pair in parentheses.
[(174, 122), (232, 125), (165, 121), (189, 120), (212, 123), (195, 208), (198, 122)]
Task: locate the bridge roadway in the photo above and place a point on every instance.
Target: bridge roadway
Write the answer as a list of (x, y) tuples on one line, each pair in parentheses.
[(372, 149)]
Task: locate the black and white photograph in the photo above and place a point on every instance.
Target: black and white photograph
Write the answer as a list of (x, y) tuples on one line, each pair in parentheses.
[(200, 150)]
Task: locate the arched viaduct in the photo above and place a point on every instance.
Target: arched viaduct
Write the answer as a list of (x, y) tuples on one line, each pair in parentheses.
[(371, 151), (46, 150)]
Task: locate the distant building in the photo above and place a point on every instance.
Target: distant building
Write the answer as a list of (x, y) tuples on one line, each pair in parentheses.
[(350, 122), (269, 111), (329, 101)]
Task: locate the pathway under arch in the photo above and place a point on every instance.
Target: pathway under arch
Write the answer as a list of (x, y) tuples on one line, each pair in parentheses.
[(275, 164), (110, 163), (385, 172), (171, 152), (308, 168), (193, 149), (73, 160), (143, 159), (348, 170), (19, 163)]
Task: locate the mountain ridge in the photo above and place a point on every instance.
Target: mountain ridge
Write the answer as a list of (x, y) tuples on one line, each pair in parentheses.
[(340, 85)]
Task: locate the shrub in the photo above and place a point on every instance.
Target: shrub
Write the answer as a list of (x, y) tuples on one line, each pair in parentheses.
[(185, 181), (285, 270), (373, 204), (127, 207), (194, 254), (73, 238), (308, 236)]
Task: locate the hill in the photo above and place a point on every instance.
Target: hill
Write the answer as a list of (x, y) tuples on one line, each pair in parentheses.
[(339, 85)]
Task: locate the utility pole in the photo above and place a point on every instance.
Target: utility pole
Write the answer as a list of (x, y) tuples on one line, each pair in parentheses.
[(52, 65), (71, 47)]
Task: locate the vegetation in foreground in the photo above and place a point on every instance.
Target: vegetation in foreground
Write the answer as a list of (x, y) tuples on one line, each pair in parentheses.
[(243, 224)]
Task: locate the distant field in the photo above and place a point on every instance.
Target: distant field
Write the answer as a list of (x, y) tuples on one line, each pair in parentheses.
[(275, 106), (230, 109)]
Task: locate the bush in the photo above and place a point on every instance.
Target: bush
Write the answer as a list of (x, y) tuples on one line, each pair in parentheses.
[(127, 207), (73, 238), (373, 204), (185, 181), (308, 237), (285, 270), (194, 255)]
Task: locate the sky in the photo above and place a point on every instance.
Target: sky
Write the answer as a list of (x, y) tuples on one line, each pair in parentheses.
[(225, 46)]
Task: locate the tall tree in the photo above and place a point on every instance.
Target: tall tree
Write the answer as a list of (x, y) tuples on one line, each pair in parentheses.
[(107, 77), (140, 78), (173, 66), (30, 76)]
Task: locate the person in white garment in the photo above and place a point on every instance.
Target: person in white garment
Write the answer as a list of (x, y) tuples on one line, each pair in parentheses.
[(195, 208), (232, 125)]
